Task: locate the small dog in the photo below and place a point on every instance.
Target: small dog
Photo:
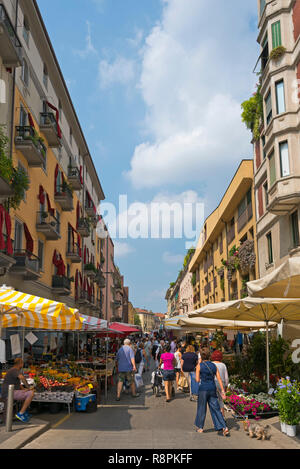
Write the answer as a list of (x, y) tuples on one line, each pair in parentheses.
[(257, 430)]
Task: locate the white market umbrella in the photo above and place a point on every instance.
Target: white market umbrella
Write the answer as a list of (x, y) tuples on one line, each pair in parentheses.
[(283, 282), (254, 309)]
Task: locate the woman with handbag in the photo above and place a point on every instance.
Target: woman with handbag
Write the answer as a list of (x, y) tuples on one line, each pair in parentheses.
[(189, 361), (206, 372)]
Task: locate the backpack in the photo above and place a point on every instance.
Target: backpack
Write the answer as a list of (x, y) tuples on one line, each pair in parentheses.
[(154, 348), (138, 356)]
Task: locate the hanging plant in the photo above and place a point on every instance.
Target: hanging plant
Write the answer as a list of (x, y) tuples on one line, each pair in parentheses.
[(193, 280), (252, 114), (247, 257), (6, 166), (277, 52)]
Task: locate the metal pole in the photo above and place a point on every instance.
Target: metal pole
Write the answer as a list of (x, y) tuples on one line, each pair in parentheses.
[(267, 354), (106, 354), (9, 408), (23, 341)]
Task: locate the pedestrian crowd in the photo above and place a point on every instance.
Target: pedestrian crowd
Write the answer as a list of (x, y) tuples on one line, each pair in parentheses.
[(200, 372)]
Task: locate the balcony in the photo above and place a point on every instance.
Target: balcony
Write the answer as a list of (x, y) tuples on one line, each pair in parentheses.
[(83, 298), (48, 225), (284, 195), (64, 198), (61, 285), (48, 127), (90, 271), (84, 228), (97, 306), (6, 260), (27, 265), (10, 45), (90, 209), (5, 189), (74, 178), (28, 142), (73, 253), (244, 218), (100, 280)]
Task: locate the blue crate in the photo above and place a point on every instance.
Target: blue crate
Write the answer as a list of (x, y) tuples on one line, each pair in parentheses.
[(82, 402)]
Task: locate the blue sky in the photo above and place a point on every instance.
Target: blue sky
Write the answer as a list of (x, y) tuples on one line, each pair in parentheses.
[(157, 86)]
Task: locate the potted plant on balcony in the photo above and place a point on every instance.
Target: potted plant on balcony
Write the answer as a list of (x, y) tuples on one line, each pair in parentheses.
[(252, 114), (277, 52)]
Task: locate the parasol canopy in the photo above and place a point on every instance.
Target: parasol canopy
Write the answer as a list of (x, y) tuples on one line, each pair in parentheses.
[(224, 324), (283, 282)]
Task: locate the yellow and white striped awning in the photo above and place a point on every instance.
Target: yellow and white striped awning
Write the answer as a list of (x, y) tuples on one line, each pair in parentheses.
[(19, 309)]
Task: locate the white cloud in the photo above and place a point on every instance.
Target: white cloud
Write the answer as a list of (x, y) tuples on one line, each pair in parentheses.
[(169, 258), (89, 47), (196, 70), (121, 71), (137, 39), (122, 249)]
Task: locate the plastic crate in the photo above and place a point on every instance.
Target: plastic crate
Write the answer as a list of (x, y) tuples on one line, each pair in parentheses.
[(86, 403)]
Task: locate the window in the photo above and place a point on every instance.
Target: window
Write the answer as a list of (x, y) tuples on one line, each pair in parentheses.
[(262, 6), (68, 271), (45, 76), (272, 169), (265, 53), (295, 229), (23, 116), (280, 104), (284, 159), (263, 141), (18, 235), (276, 34), (57, 214), (268, 104), (26, 30), (41, 254), (25, 72), (270, 248), (265, 186), (71, 136), (60, 109)]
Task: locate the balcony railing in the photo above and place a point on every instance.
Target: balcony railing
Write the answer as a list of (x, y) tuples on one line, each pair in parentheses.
[(48, 127), (244, 217), (27, 264), (48, 224), (64, 197), (6, 260), (61, 285), (74, 178), (31, 145), (90, 209), (73, 253), (10, 45), (84, 227)]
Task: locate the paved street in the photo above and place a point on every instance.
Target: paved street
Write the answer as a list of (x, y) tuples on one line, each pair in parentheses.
[(148, 423)]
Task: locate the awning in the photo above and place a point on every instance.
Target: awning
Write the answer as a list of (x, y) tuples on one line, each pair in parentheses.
[(123, 328), (90, 323), (18, 309)]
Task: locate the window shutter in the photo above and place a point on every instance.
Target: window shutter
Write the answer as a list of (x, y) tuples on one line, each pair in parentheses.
[(276, 34), (260, 201)]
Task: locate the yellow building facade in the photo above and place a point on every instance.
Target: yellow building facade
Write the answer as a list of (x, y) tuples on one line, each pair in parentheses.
[(226, 254)]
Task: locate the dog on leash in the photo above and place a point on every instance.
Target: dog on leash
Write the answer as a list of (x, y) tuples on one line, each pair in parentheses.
[(257, 430)]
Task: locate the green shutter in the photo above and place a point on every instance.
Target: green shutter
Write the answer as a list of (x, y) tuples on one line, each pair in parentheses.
[(272, 169), (276, 34)]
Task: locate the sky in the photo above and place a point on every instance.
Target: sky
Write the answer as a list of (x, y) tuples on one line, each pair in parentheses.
[(157, 86)]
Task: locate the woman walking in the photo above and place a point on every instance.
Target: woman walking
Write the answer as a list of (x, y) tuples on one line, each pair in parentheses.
[(189, 361), (178, 356), (206, 372), (217, 358), (168, 361)]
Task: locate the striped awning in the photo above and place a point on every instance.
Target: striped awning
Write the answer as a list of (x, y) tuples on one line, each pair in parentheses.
[(19, 309), (90, 323)]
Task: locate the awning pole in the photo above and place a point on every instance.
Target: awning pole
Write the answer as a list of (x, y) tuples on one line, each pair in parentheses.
[(267, 354)]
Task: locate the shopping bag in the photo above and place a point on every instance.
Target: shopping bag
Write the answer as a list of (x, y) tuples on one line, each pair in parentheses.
[(138, 381), (182, 382)]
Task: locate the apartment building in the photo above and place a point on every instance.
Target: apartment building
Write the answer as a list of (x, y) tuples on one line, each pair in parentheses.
[(49, 244), (226, 254), (276, 152), (148, 319)]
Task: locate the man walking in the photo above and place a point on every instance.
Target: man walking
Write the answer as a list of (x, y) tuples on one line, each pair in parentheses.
[(21, 393), (126, 368)]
